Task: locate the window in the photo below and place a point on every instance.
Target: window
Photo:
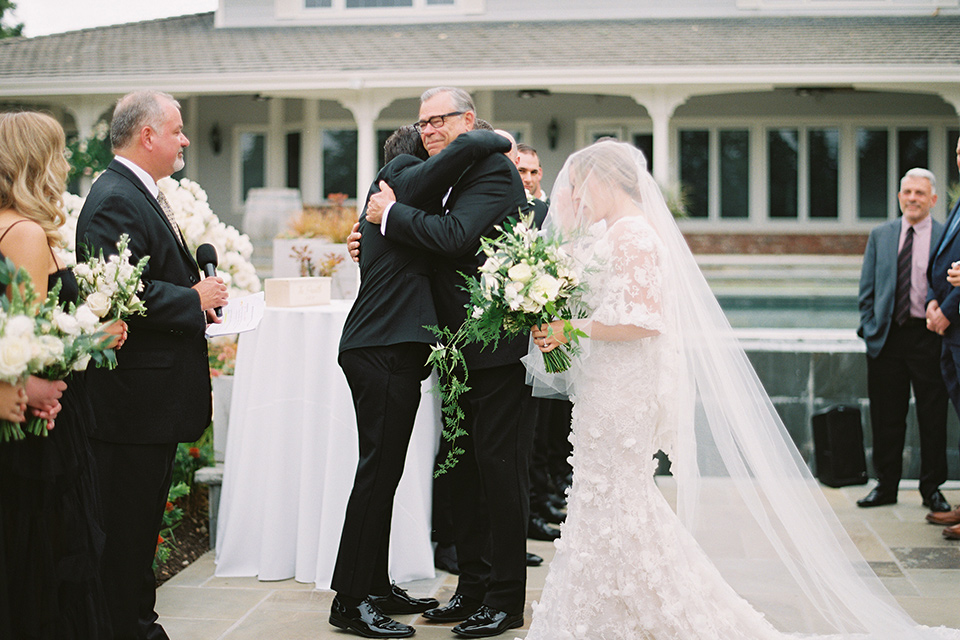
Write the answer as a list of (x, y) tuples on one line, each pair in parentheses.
[(823, 169), (813, 193), (912, 150), (783, 153), (644, 142), (294, 139), (252, 162), (290, 8), (729, 151), (953, 175), (340, 162), (872, 174), (354, 4)]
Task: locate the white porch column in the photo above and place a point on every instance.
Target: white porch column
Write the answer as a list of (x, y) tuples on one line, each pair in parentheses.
[(483, 101), (276, 142), (952, 96), (366, 108), (311, 154), (660, 103), (192, 168), (85, 111)]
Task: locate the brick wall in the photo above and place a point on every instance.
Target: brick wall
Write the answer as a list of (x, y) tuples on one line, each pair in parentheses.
[(755, 243)]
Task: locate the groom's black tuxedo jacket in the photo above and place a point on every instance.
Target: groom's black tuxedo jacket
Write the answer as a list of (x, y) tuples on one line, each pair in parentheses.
[(160, 390), (394, 302), (486, 194)]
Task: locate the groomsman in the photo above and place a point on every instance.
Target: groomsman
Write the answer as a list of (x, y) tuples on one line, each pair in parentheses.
[(943, 316), (159, 393), (901, 351), (490, 483)]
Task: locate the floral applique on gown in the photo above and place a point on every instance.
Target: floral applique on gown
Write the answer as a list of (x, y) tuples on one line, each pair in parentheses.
[(625, 567), (51, 535)]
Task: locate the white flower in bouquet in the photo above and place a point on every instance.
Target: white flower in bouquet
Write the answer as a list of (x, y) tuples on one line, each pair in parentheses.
[(66, 323), (99, 303), (16, 354), (51, 350), (108, 287)]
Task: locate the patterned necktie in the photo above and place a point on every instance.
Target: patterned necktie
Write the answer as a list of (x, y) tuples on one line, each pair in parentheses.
[(165, 205), (901, 307)]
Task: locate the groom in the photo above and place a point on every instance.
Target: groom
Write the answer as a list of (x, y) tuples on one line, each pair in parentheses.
[(490, 482)]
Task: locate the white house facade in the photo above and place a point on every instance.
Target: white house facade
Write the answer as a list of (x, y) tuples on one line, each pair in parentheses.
[(780, 118)]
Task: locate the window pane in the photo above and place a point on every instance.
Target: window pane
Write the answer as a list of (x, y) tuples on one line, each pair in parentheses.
[(340, 162), (354, 4), (694, 171), (252, 160), (429, 2), (872, 173), (644, 142), (823, 168), (293, 160), (782, 152), (952, 174), (382, 135), (912, 150), (317, 4), (734, 174)]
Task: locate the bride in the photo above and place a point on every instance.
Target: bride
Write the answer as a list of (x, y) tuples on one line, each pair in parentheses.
[(751, 548)]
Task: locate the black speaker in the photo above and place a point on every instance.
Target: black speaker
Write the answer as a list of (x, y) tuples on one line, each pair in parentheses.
[(838, 446)]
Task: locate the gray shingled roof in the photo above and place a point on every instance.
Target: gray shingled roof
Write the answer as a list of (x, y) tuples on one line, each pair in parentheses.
[(191, 45)]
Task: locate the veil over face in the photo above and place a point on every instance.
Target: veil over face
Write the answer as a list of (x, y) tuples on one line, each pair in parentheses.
[(742, 489)]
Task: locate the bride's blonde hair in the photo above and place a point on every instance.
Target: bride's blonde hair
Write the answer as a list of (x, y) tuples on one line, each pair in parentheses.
[(33, 170)]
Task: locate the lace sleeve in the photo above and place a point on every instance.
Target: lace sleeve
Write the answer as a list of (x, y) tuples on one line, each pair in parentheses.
[(630, 295)]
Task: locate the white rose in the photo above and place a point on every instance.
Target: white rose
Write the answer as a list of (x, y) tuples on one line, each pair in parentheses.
[(66, 323), (99, 303), (520, 272), (83, 272), (15, 354), (86, 319), (19, 326), (51, 350), (545, 288), (511, 292)]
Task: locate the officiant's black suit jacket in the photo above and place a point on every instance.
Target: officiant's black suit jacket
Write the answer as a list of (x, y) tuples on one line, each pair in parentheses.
[(160, 390), (394, 302), (475, 205)]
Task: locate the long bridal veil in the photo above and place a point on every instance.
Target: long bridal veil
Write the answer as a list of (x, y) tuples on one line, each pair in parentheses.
[(742, 488)]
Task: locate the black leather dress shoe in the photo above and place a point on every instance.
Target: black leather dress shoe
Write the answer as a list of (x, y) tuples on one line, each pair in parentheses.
[(488, 622), (458, 609), (533, 560), (399, 602), (538, 529), (367, 620), (877, 498), (550, 513), (936, 502)]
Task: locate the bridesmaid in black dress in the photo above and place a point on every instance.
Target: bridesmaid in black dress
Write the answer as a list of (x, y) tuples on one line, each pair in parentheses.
[(50, 517)]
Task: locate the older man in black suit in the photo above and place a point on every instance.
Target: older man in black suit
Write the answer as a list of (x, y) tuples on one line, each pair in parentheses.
[(383, 353), (159, 393), (901, 351), (490, 483)]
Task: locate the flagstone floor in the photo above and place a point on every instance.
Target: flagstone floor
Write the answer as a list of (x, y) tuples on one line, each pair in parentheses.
[(919, 567)]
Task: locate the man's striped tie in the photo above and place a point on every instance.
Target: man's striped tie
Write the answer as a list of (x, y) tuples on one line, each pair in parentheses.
[(901, 307)]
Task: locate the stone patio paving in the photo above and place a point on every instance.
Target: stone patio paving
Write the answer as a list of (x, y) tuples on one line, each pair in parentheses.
[(918, 566)]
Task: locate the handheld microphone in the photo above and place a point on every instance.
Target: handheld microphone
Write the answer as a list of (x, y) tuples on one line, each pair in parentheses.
[(207, 259)]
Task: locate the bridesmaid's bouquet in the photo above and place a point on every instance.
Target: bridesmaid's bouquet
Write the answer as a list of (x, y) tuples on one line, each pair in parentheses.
[(20, 346), (109, 286), (527, 280)]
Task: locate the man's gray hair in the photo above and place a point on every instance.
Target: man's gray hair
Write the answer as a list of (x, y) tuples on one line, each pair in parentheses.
[(917, 172), (135, 111), (461, 99)]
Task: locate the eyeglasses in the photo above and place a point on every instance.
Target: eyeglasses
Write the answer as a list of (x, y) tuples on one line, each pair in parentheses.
[(436, 121)]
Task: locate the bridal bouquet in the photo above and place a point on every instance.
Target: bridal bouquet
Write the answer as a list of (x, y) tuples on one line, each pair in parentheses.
[(109, 287), (526, 280), (20, 345)]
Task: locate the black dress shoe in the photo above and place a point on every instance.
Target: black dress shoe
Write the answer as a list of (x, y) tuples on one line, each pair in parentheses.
[(445, 557), (550, 513), (459, 608), (533, 560), (367, 620), (937, 503), (877, 498), (488, 622), (538, 529), (399, 602)]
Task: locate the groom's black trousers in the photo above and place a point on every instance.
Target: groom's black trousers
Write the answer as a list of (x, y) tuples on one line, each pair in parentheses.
[(490, 487), (385, 384)]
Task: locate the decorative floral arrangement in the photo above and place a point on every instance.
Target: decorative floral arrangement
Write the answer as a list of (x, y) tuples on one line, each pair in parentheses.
[(222, 355), (309, 269), (526, 280), (334, 221), (44, 339), (109, 287), (91, 155)]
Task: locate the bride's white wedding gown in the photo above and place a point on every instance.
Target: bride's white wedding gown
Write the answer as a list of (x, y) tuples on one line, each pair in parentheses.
[(625, 567)]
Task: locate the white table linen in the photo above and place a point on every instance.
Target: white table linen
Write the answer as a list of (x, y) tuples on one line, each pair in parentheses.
[(292, 453)]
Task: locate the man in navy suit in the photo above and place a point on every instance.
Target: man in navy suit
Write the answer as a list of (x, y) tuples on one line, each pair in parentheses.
[(901, 351), (159, 393), (943, 316)]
